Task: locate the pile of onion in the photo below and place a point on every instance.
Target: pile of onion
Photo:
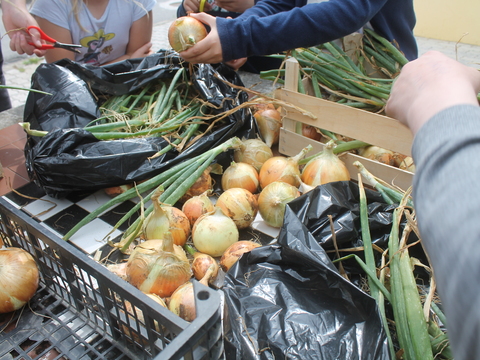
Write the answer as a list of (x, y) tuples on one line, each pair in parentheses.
[(282, 168), (160, 270), (185, 32), (165, 219), (235, 252), (240, 205), (196, 206), (269, 121), (214, 232), (19, 277), (272, 201), (254, 152), (240, 175)]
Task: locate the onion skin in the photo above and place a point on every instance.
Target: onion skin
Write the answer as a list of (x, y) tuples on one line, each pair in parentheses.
[(325, 168), (240, 175), (240, 205), (202, 184), (19, 278), (185, 32), (379, 154), (269, 121), (235, 252), (282, 168), (254, 152), (197, 206), (165, 219), (214, 232), (272, 201), (311, 132), (200, 265)]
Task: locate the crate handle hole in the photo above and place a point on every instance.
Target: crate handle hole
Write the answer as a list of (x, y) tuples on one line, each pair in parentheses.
[(203, 295)]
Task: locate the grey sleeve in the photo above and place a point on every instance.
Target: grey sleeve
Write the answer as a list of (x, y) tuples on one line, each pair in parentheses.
[(446, 192)]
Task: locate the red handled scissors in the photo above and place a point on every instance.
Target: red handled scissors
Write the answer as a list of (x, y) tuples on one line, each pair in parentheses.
[(54, 43)]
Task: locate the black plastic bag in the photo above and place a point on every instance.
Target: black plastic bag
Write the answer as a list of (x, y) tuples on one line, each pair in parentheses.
[(70, 159), (288, 301)]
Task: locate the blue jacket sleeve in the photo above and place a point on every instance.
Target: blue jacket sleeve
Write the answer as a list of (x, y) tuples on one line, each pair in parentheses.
[(273, 26)]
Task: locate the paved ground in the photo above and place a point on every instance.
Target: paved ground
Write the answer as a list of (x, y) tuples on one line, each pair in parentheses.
[(18, 70)]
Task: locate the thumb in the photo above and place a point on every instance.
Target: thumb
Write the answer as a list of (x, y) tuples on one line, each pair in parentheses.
[(205, 18), (35, 35)]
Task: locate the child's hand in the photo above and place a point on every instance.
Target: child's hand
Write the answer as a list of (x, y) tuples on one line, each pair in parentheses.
[(143, 51), (194, 6), (238, 6)]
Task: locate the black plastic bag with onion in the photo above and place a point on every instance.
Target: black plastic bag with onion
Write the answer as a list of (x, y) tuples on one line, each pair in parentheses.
[(288, 300), (69, 159)]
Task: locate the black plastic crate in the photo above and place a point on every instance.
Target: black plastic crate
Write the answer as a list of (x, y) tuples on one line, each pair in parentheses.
[(83, 311)]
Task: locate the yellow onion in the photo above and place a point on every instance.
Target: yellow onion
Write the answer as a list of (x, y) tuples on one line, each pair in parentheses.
[(240, 205), (117, 190), (311, 132), (379, 154), (165, 219), (185, 32), (196, 206), (182, 301), (398, 158), (200, 265), (235, 252), (158, 272), (407, 164), (254, 152), (240, 175), (282, 168), (201, 185), (269, 121), (272, 201), (19, 277), (214, 232), (324, 168)]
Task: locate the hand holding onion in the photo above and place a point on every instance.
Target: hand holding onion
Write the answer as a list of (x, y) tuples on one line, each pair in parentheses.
[(185, 32)]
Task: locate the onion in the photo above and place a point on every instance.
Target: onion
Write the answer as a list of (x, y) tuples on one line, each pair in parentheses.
[(235, 251), (117, 190), (269, 121), (165, 219), (311, 132), (324, 168), (200, 265), (282, 168), (407, 164), (185, 32), (19, 277), (201, 185), (379, 154), (182, 301), (196, 206), (272, 201), (214, 232), (240, 175), (240, 205), (158, 272), (398, 158), (254, 152)]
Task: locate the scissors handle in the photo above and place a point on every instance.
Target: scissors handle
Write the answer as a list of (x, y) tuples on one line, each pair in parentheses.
[(43, 36)]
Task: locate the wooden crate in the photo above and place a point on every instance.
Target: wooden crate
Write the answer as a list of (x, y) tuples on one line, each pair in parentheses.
[(359, 124)]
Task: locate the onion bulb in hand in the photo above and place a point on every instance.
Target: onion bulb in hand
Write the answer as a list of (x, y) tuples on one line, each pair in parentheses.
[(185, 32), (19, 278), (272, 201)]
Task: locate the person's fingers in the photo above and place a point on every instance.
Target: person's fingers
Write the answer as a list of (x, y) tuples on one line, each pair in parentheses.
[(205, 18), (35, 37)]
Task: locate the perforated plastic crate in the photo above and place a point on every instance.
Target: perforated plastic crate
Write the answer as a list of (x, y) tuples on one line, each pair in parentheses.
[(81, 310)]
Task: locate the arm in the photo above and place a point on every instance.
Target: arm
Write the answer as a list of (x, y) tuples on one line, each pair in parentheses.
[(139, 44), (16, 16), (250, 35), (436, 97)]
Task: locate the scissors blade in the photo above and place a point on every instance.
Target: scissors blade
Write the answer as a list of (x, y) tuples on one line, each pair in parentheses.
[(70, 47)]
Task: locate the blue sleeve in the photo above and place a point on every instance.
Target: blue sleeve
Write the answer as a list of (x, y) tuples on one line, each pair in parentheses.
[(447, 202), (273, 26)]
